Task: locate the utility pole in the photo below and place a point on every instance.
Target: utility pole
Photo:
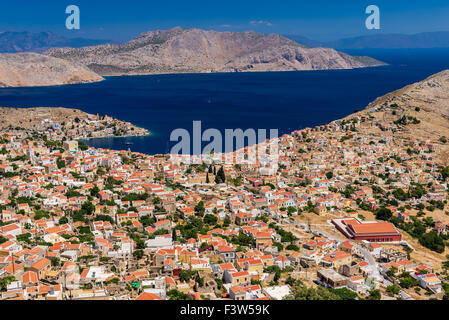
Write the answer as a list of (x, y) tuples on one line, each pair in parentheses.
[(308, 224), (13, 267)]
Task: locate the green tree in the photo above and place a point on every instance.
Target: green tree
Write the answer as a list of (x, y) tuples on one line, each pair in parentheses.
[(60, 163), (210, 219), (445, 173), (199, 208), (432, 241), (374, 295), (393, 289), (383, 214)]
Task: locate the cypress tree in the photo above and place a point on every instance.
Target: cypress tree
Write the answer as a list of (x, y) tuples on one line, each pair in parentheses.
[(221, 174)]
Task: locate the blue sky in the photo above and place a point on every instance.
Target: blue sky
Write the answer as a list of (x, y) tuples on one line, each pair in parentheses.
[(317, 19)]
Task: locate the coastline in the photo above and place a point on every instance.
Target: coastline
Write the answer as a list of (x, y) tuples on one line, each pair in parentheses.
[(110, 137), (232, 72)]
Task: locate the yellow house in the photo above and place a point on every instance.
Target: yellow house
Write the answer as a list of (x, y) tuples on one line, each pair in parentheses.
[(321, 211), (336, 259), (71, 146), (254, 266), (237, 278)]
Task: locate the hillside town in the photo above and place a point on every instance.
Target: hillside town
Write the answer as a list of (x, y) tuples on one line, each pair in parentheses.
[(349, 210)]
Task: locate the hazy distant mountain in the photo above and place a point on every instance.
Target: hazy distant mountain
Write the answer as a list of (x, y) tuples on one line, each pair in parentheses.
[(11, 42), (306, 41), (198, 51), (384, 41)]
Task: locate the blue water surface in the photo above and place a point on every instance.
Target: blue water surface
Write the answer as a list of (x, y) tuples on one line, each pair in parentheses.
[(286, 101)]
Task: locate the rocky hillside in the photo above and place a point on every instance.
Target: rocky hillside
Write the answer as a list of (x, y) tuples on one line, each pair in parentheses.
[(420, 110), (70, 123), (32, 69), (198, 51)]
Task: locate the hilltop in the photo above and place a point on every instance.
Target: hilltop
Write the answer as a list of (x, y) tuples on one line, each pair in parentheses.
[(199, 51)]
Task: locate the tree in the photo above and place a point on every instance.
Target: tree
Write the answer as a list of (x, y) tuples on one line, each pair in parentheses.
[(199, 208), (60, 163), (138, 253), (345, 294), (276, 270), (63, 220), (5, 281), (374, 295), (383, 214), (400, 194), (292, 247), (432, 241), (88, 207), (445, 173), (103, 217), (210, 219), (3, 239), (408, 282), (94, 191), (221, 176), (185, 275), (291, 210), (393, 289), (207, 178), (305, 293), (82, 146), (178, 295)]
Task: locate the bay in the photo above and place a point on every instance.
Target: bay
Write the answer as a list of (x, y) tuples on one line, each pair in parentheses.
[(286, 101)]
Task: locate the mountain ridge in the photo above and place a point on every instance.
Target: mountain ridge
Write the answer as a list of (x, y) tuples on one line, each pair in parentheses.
[(194, 50), (439, 39), (14, 42)]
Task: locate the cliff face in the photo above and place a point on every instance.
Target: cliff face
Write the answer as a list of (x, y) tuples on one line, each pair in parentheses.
[(198, 51), (32, 69)]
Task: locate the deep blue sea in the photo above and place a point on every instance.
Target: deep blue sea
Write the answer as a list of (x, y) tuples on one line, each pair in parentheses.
[(286, 101)]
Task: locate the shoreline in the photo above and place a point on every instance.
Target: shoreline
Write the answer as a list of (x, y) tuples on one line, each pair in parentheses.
[(235, 72), (114, 137), (106, 76)]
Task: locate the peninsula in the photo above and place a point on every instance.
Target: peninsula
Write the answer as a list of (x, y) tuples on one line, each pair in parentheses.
[(200, 51)]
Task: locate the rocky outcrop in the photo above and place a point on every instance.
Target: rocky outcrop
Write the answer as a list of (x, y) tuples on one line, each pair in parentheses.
[(198, 51)]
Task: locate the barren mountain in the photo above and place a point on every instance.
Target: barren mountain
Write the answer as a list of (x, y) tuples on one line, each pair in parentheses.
[(198, 51), (32, 69)]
